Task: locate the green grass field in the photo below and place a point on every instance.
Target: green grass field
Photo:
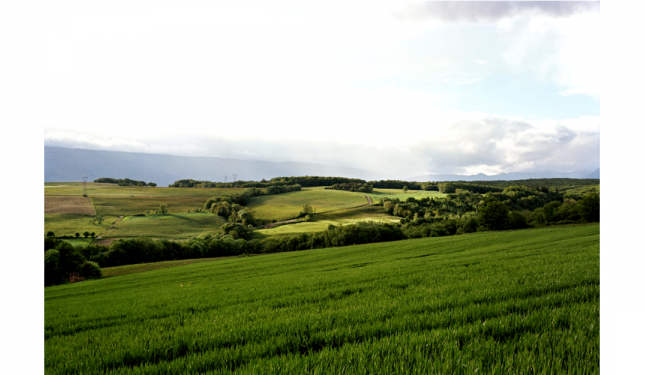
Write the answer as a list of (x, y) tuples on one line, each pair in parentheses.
[(398, 193), (79, 241), (144, 267), (288, 205), (507, 302), (171, 226), (322, 221), (68, 224), (126, 205), (93, 189)]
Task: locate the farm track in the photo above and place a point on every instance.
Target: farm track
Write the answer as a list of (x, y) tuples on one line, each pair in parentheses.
[(269, 226), (108, 228)]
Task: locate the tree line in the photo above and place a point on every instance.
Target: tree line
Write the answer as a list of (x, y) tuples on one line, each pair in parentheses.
[(67, 263), (305, 181), (124, 182), (352, 186), (145, 250), (515, 207)]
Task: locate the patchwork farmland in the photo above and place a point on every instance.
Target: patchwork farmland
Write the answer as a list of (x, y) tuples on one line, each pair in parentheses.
[(69, 205)]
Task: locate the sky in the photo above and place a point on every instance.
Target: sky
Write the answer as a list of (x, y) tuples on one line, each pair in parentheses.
[(401, 87)]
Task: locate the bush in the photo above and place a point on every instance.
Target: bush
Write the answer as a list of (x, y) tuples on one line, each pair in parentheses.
[(50, 234), (91, 270), (77, 235), (52, 267)]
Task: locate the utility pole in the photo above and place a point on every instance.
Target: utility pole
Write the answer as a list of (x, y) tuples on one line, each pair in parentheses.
[(84, 189), (234, 178)]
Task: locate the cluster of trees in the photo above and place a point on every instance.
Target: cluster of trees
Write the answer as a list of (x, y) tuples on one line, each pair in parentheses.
[(67, 263), (352, 186), (452, 187), (223, 243), (514, 208), (306, 181), (555, 184), (124, 182), (162, 210), (86, 234), (396, 184)]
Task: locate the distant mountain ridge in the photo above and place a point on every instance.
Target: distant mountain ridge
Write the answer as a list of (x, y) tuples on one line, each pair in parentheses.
[(66, 164), (505, 176)]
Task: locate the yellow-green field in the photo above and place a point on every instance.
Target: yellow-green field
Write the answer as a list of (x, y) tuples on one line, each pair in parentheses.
[(398, 193), (83, 242), (76, 188), (288, 205), (172, 226), (68, 224), (322, 222), (126, 205)]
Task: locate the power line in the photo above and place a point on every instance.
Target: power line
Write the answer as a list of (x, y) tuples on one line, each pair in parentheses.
[(234, 178), (84, 189)]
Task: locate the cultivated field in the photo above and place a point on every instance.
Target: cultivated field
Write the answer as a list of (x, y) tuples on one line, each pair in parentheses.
[(68, 224), (76, 188), (126, 205), (507, 302), (69, 205), (172, 226), (398, 193), (288, 205), (321, 222)]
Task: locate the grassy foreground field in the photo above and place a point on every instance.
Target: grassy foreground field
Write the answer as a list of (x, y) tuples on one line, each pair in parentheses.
[(494, 302)]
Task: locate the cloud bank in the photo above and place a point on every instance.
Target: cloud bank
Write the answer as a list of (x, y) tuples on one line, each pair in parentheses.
[(455, 11), (475, 143)]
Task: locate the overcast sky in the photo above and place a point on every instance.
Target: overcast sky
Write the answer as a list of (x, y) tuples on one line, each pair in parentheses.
[(400, 87)]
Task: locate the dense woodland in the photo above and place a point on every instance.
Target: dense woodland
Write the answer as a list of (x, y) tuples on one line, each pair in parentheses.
[(124, 182)]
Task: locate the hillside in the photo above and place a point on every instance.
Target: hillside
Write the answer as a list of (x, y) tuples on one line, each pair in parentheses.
[(494, 302), (65, 164)]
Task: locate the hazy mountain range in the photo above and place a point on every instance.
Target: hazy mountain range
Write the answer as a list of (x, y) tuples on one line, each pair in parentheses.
[(66, 164)]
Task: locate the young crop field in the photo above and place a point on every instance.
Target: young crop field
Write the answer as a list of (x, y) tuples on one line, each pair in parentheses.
[(321, 222), (76, 188), (68, 224), (288, 205), (69, 205), (171, 226), (126, 205), (81, 241), (508, 302), (398, 193)]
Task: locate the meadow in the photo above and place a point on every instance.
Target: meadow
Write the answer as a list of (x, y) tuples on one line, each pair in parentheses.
[(68, 224), (171, 226), (288, 205), (491, 302), (320, 222), (76, 188), (126, 205), (398, 193)]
